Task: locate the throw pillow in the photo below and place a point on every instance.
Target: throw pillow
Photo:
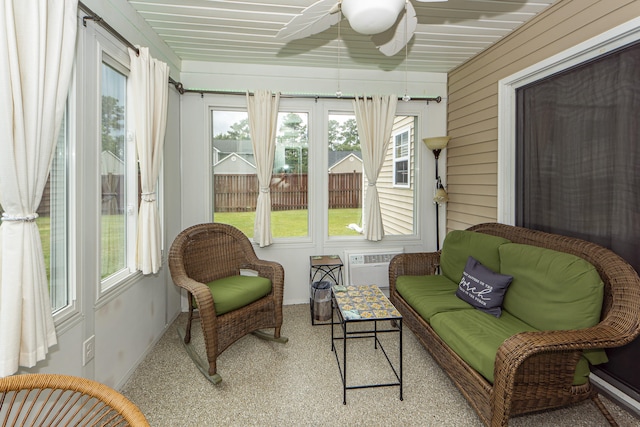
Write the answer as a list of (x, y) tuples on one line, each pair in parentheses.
[(483, 288)]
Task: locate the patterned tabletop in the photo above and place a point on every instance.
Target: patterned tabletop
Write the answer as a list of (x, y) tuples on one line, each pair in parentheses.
[(364, 302)]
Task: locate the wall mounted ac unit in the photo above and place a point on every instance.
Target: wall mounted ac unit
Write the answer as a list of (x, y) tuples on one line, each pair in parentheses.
[(369, 267)]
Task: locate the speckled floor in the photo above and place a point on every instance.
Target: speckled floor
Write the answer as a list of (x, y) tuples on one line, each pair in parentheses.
[(298, 384)]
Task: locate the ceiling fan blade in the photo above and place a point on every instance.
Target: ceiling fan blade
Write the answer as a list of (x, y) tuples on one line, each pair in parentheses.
[(314, 19), (392, 41)]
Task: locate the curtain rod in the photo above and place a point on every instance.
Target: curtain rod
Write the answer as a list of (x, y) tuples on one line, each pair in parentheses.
[(91, 16), (437, 99)]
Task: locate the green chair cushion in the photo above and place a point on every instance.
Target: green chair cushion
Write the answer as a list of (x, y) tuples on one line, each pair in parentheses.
[(476, 336), (429, 295), (233, 292), (458, 245)]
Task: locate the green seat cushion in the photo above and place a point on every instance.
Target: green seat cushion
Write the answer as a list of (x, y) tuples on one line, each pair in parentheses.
[(552, 290), (429, 295), (476, 336), (458, 245), (233, 292)]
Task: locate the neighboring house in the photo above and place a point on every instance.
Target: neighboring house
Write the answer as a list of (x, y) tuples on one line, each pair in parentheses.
[(225, 147), (345, 161), (111, 164), (396, 180), (112, 169), (234, 164)]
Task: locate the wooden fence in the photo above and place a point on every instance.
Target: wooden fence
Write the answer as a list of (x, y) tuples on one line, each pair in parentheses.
[(112, 186), (238, 193)]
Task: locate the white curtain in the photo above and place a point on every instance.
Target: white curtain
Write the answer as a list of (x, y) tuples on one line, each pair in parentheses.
[(149, 85), (374, 117), (263, 119), (37, 46)]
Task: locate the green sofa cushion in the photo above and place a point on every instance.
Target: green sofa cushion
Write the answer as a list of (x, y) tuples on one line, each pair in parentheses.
[(429, 295), (566, 288), (458, 245), (233, 292), (551, 290), (476, 336)]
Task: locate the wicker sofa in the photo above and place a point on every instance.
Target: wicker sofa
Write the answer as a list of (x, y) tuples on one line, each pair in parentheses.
[(537, 368)]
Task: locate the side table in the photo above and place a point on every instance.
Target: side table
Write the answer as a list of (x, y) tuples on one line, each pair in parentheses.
[(365, 303), (324, 272)]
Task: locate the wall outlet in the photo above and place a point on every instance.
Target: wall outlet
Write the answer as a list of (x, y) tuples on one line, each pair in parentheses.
[(88, 350)]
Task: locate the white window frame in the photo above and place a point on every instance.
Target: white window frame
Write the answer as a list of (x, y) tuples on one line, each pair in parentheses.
[(294, 106), (118, 59), (319, 111), (334, 108), (63, 313), (399, 133), (286, 106)]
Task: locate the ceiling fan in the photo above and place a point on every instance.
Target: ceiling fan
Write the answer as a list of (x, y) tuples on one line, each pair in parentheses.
[(390, 23)]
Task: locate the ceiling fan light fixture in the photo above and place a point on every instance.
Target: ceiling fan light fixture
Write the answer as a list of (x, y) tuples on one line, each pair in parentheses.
[(372, 16)]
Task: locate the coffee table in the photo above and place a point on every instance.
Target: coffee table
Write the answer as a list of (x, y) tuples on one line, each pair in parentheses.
[(354, 305)]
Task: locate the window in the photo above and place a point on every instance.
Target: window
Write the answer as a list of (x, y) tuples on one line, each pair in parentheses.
[(345, 176), (401, 158), (118, 178), (347, 181), (289, 183), (53, 223), (54, 227), (235, 182), (334, 160)]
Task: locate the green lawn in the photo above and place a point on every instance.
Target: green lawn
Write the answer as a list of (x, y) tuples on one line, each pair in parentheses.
[(283, 224), (44, 226), (292, 223), (112, 244), (113, 253)]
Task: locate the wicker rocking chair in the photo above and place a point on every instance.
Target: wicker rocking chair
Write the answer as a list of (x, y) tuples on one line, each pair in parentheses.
[(208, 254), (51, 399)]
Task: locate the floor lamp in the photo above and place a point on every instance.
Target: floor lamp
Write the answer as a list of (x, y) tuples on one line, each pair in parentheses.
[(440, 196)]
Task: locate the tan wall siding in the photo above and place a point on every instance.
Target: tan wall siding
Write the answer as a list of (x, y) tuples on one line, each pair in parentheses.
[(472, 154), (397, 204)]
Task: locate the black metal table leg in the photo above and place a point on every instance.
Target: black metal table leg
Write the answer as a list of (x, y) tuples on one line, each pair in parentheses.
[(400, 340), (344, 363)]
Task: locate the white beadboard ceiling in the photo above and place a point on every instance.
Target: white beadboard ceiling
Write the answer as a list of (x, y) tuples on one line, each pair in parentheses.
[(245, 31)]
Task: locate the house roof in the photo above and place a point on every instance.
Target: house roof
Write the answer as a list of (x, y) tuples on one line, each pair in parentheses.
[(233, 146), (233, 157), (336, 157)]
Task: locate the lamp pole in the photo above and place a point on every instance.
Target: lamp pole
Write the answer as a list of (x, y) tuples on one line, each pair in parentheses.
[(436, 144), (436, 154)]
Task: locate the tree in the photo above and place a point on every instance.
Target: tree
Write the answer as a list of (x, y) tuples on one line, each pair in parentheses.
[(238, 131), (297, 159), (293, 135), (343, 136), (293, 130), (112, 125), (334, 133)]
